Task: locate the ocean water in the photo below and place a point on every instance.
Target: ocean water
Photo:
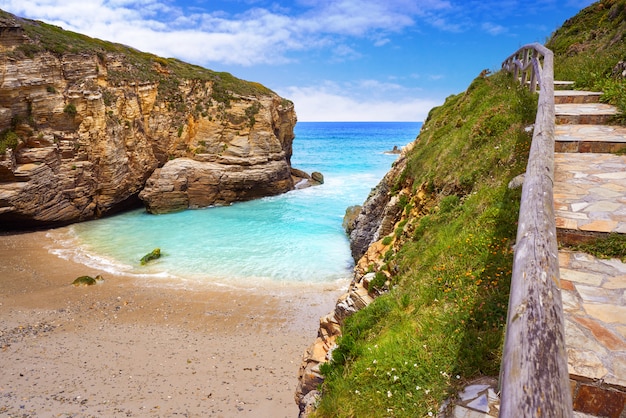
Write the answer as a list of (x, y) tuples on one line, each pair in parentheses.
[(296, 237)]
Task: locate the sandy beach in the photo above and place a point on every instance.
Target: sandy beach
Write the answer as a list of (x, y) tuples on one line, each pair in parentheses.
[(130, 348)]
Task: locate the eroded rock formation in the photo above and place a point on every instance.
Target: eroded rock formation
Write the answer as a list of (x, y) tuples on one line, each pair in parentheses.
[(367, 226), (86, 124)]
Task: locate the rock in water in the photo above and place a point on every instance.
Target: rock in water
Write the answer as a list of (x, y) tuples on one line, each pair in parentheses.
[(88, 280), (317, 177), (156, 253)]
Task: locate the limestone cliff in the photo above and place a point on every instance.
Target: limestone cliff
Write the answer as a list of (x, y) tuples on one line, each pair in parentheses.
[(85, 124)]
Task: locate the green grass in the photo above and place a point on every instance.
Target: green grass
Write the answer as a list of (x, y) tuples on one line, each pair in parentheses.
[(139, 66), (611, 246), (588, 46), (442, 322)]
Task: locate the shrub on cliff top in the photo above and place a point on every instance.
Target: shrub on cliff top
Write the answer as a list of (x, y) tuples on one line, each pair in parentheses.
[(8, 140)]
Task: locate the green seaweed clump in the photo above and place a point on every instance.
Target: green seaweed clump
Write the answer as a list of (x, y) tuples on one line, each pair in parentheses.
[(88, 280), (156, 253)]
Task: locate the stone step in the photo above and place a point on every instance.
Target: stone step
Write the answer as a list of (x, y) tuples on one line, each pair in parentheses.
[(583, 114), (590, 138), (589, 192), (576, 96), (595, 331), (559, 84)]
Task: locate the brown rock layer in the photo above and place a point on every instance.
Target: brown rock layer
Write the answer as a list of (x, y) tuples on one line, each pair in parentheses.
[(92, 121)]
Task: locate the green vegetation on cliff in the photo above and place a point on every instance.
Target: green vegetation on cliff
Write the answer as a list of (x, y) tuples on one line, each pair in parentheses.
[(141, 66), (588, 47), (442, 322)]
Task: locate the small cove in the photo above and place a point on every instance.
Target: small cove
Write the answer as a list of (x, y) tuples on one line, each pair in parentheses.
[(295, 238)]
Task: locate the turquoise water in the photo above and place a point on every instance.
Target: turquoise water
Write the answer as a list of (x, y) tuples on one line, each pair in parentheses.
[(296, 237)]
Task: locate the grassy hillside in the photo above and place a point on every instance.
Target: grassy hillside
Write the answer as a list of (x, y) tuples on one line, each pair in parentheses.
[(588, 46), (143, 66), (442, 322)]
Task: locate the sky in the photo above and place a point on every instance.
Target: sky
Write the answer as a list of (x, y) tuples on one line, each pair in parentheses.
[(337, 60)]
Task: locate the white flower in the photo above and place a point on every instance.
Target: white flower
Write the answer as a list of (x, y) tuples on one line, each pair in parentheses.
[(430, 414), (395, 378), (389, 394), (458, 377), (427, 391), (418, 387), (357, 392), (375, 361)]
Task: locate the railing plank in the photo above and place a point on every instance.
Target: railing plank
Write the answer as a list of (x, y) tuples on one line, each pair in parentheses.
[(534, 380)]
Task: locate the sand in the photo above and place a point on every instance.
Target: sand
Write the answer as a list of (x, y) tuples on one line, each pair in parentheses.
[(131, 348)]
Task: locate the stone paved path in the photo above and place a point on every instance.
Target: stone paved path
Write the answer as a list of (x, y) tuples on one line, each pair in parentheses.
[(590, 200), (590, 192)]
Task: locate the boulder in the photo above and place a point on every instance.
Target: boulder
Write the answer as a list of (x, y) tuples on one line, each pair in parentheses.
[(186, 183)]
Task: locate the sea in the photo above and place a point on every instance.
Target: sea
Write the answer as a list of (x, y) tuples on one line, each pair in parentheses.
[(293, 238)]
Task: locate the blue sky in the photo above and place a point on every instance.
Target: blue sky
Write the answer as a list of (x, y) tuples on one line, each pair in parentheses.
[(338, 60)]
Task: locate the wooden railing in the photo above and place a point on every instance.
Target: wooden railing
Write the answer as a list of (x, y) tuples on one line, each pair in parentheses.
[(534, 380), (525, 64)]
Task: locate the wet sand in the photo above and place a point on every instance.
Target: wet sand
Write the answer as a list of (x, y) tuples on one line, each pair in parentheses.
[(128, 348)]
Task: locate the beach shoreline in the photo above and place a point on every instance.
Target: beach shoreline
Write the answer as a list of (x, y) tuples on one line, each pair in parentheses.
[(157, 348)]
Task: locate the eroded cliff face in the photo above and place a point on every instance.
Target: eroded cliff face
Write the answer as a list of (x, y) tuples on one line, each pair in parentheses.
[(83, 129), (381, 214)]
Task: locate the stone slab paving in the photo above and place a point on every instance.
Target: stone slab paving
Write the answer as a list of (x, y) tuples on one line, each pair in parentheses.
[(587, 113), (594, 303), (590, 192), (595, 133), (576, 96), (590, 138)]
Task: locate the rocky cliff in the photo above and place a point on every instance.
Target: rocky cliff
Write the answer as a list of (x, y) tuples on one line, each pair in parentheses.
[(89, 127), (379, 216)]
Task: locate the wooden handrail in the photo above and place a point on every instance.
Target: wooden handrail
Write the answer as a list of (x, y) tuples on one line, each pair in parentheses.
[(525, 64), (534, 380)]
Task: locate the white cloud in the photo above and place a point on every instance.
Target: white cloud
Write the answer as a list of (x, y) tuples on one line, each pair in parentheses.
[(493, 29), (323, 104), (256, 36)]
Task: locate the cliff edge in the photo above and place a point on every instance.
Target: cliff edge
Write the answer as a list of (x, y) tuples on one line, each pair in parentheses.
[(89, 127)]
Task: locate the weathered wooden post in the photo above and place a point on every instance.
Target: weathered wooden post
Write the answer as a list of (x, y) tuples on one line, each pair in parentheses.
[(534, 380)]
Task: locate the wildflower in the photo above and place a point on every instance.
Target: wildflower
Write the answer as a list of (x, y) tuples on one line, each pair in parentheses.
[(395, 378), (389, 394), (458, 377), (357, 392), (417, 387), (375, 361), (430, 414), (427, 391)]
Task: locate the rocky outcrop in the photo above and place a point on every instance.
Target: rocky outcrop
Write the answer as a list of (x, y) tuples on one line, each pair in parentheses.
[(379, 216), (375, 218), (188, 183), (85, 124)]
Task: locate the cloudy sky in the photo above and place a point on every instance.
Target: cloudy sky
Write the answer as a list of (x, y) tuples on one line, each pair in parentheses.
[(338, 60)]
